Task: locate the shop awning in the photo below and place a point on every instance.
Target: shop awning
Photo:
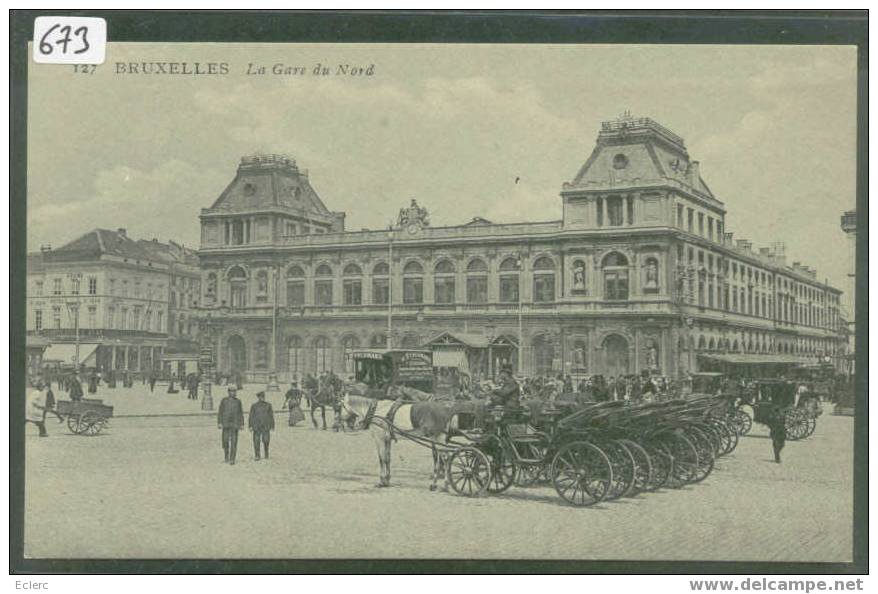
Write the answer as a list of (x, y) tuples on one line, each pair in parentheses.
[(66, 353), (754, 359), (473, 341)]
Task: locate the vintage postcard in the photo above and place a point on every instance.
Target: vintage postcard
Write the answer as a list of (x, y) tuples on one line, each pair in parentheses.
[(441, 301)]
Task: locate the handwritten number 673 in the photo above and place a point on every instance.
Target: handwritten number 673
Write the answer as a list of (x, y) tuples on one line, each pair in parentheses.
[(82, 32)]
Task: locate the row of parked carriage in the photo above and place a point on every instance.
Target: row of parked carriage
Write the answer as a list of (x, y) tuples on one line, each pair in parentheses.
[(600, 452)]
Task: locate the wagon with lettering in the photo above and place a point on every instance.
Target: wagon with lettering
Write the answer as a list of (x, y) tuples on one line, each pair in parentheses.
[(88, 416)]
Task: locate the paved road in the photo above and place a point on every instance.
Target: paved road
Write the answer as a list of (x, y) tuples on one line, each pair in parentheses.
[(157, 487)]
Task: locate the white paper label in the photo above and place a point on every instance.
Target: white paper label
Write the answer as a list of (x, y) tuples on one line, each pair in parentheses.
[(70, 40)]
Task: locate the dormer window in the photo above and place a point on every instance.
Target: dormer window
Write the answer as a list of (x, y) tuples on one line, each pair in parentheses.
[(620, 161)]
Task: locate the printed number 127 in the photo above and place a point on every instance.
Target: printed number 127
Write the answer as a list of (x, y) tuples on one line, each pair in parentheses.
[(85, 68)]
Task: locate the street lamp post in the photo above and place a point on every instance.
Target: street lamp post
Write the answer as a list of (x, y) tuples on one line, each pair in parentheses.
[(207, 356), (272, 385), (390, 288), (520, 263)]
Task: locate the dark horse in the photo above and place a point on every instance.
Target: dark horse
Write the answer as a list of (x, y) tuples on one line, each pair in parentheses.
[(324, 397)]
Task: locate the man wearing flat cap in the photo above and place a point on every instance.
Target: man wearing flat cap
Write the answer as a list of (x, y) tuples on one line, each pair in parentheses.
[(230, 418), (261, 422)]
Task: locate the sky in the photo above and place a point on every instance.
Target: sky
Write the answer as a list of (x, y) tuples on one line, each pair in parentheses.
[(453, 126)]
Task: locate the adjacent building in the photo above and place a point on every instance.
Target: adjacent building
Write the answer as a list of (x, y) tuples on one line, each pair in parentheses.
[(640, 274), (108, 301)]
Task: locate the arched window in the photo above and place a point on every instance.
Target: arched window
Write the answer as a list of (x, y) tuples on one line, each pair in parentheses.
[(711, 345), (352, 285), (702, 344), (509, 283), (443, 282), (323, 285), (322, 354), (544, 280), (413, 283), (615, 270), (477, 282), (295, 286), (381, 284), (238, 287), (295, 360), (348, 344), (262, 286)]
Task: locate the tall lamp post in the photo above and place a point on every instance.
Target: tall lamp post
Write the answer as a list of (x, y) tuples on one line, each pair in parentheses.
[(390, 288), (272, 385), (520, 263)]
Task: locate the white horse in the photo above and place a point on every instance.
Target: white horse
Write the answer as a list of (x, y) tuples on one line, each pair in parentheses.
[(387, 418)]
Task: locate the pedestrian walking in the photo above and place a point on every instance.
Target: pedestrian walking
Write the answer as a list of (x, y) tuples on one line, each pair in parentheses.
[(293, 401), (261, 423), (777, 430), (151, 381), (92, 383), (230, 418), (74, 388), (40, 401)]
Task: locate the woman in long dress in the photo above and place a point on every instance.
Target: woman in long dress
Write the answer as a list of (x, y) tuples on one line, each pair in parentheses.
[(293, 401)]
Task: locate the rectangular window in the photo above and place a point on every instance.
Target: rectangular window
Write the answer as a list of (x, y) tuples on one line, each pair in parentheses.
[(159, 326), (701, 224), (710, 295), (719, 231), (710, 228), (38, 319), (544, 288), (614, 211), (323, 292), (444, 289), (296, 294), (56, 317), (92, 316), (630, 210), (353, 292), (616, 285), (123, 318), (380, 291), (509, 288), (135, 322), (413, 290), (56, 286), (477, 289), (137, 289), (600, 206), (92, 285), (680, 216), (691, 219), (74, 286), (38, 288), (111, 317)]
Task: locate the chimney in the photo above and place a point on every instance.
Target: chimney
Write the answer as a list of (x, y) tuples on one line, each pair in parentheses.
[(729, 238), (122, 231), (745, 244)]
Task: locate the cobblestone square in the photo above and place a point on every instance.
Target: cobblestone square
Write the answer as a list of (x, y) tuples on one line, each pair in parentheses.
[(157, 487)]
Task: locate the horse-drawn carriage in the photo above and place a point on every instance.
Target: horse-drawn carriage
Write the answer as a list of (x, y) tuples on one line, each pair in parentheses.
[(88, 416), (800, 417), (709, 383)]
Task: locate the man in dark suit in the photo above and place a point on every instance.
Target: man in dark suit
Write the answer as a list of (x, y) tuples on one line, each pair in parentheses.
[(230, 418), (508, 393), (261, 422), (75, 389)]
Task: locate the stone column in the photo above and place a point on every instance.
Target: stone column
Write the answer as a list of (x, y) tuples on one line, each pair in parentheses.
[(113, 357), (125, 366)]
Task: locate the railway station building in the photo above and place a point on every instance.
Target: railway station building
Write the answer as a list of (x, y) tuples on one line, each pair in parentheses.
[(639, 274)]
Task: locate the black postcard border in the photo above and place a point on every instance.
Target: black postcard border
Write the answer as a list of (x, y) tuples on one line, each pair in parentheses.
[(645, 27)]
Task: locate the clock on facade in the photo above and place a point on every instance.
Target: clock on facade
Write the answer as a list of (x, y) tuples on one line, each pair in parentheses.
[(620, 161)]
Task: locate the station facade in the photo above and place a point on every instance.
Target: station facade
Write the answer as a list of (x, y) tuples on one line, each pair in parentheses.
[(640, 274)]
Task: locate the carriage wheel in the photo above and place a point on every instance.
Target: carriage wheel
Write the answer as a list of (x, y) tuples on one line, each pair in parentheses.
[(643, 467), (624, 468), (582, 473), (745, 422), (469, 472), (503, 470), (705, 450), (662, 465), (73, 424), (684, 456), (92, 423), (812, 425)]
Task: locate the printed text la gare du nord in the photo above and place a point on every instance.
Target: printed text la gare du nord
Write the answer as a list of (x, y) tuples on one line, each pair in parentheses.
[(251, 69)]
